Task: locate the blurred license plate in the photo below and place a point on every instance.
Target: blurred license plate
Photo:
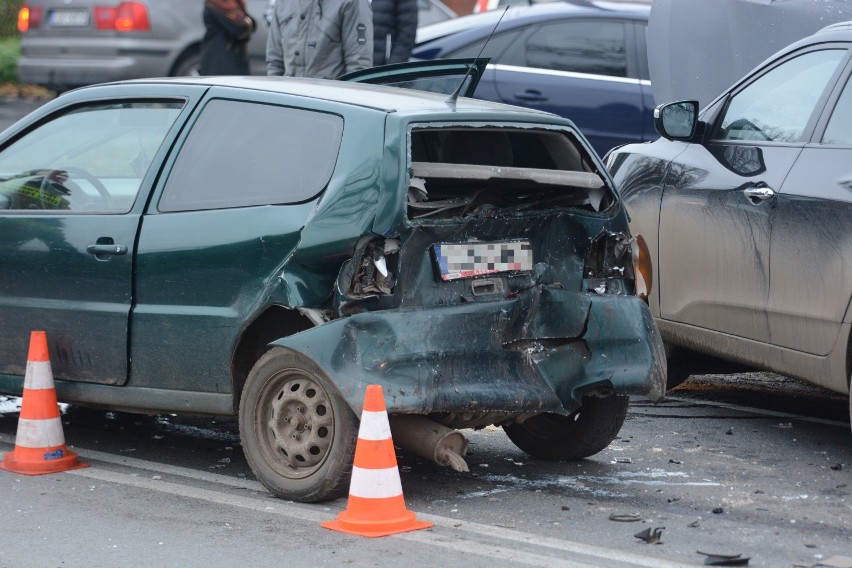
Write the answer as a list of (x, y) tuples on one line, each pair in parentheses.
[(69, 18), (475, 259)]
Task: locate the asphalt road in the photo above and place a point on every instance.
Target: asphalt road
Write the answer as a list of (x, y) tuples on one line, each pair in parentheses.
[(752, 464)]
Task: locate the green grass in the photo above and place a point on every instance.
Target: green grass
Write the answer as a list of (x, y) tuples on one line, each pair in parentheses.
[(10, 50)]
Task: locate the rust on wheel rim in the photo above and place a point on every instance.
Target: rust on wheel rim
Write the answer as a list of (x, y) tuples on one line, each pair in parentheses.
[(296, 423)]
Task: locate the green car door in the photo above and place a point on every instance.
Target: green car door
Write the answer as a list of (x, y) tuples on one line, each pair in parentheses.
[(72, 191)]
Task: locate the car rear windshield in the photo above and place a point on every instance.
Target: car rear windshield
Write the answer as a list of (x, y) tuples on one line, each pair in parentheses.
[(487, 172)]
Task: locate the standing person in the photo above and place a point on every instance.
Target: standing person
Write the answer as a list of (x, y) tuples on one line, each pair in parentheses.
[(319, 38), (228, 27), (394, 30)]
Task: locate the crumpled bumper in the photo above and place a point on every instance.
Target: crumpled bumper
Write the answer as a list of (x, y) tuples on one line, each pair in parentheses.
[(538, 352)]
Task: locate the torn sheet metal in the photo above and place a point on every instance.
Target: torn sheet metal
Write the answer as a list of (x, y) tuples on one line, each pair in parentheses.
[(697, 49), (541, 351)]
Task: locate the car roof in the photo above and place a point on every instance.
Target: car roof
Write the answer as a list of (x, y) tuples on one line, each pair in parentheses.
[(839, 26), (522, 15), (376, 97)]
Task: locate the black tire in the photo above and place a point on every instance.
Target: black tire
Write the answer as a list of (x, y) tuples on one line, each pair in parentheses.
[(188, 65), (298, 433), (677, 371), (579, 435)]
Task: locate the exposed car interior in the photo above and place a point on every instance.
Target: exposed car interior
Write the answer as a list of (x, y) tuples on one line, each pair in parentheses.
[(498, 172)]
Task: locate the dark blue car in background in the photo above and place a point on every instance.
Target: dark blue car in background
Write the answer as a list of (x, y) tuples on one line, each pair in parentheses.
[(582, 60)]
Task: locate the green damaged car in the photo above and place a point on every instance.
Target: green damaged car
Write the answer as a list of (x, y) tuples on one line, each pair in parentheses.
[(269, 247)]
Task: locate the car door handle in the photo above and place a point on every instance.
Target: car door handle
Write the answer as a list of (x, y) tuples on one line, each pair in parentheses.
[(107, 249), (531, 96), (759, 192)]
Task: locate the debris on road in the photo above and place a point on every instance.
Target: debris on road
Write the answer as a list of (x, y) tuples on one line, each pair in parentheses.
[(715, 559), (718, 510), (625, 518), (651, 535)]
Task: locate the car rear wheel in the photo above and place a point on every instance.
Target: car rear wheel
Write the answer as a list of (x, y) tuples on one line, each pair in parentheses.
[(298, 433), (579, 435)]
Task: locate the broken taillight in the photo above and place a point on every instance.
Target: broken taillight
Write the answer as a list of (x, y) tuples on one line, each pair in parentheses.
[(614, 260), (126, 17), (29, 18), (642, 268), (372, 269), (609, 256)]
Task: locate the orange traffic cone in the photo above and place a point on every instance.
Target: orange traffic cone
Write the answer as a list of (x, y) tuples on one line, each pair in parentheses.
[(376, 506), (40, 443)]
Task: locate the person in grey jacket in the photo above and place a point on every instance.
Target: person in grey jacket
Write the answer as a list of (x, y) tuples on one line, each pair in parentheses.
[(394, 30), (319, 38)]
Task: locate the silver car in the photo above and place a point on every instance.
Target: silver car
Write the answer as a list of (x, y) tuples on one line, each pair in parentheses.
[(70, 43), (746, 209)]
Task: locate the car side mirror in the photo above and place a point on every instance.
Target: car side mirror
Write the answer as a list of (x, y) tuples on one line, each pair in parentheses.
[(676, 121)]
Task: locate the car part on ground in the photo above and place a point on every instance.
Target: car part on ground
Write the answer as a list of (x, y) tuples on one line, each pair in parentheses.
[(473, 260), (581, 434), (746, 205)]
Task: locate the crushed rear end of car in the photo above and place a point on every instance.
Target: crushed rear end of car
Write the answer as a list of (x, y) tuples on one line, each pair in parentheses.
[(508, 293)]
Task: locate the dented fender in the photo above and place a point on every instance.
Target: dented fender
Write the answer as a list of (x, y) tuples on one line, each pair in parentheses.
[(541, 351)]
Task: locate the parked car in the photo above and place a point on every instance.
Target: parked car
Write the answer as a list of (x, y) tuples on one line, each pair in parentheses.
[(68, 44), (746, 206), (472, 258), (486, 5), (582, 60)]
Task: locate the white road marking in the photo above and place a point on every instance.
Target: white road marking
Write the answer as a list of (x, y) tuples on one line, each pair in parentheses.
[(451, 537)]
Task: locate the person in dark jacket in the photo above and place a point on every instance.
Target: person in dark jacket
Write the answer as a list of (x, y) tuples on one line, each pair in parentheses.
[(394, 29), (228, 27)]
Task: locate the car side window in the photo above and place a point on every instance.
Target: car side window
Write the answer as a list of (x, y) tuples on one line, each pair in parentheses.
[(494, 49), (90, 159), (839, 129), (593, 47), (288, 156), (777, 106)]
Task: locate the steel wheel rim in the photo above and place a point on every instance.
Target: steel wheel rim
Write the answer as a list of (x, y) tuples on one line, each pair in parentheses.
[(295, 423)]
